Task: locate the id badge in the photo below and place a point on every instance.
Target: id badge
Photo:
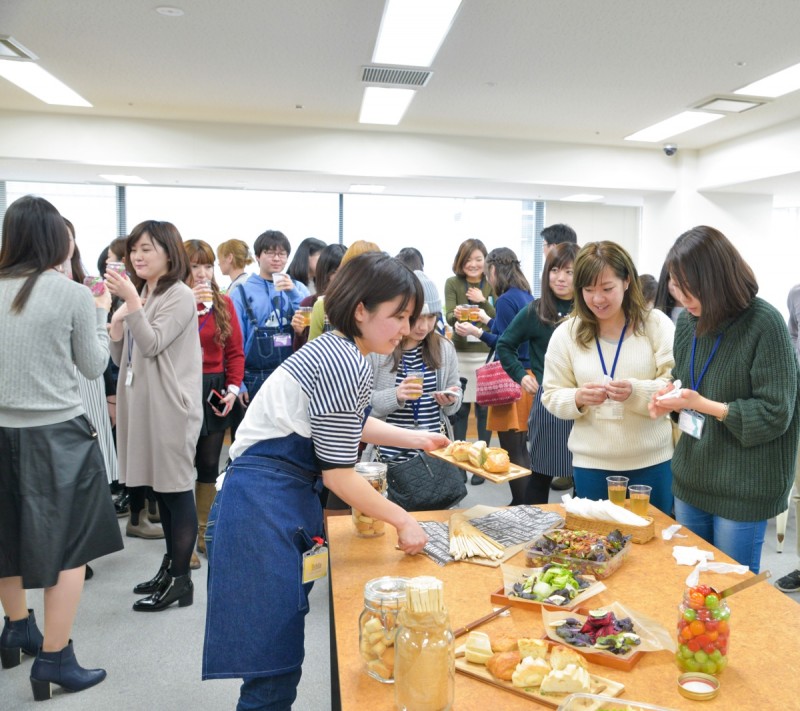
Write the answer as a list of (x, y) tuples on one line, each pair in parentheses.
[(610, 410), (129, 378), (282, 340), (473, 339), (315, 562), (691, 423)]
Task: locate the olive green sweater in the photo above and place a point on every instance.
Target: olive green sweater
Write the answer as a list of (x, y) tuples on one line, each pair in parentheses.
[(455, 294), (742, 468)]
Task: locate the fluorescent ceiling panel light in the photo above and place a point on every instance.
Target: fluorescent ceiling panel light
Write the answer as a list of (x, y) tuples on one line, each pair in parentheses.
[(124, 179), (359, 188), (582, 197), (11, 49), (412, 31), (729, 106), (43, 85), (680, 123), (384, 106), (778, 84)]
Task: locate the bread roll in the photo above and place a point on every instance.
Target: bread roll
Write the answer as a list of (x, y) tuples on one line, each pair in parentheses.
[(460, 451), (561, 657), (503, 664), (497, 460), (477, 453), (504, 644), (536, 648)]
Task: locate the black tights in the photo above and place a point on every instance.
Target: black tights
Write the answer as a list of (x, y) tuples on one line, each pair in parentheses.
[(179, 520), (538, 491), (516, 444), (206, 456)]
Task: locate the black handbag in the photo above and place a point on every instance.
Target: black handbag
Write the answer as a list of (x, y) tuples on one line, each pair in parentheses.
[(424, 483)]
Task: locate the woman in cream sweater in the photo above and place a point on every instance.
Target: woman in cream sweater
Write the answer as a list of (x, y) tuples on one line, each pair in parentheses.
[(601, 369)]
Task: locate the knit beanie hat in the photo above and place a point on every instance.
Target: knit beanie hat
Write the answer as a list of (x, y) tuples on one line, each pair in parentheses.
[(433, 304)]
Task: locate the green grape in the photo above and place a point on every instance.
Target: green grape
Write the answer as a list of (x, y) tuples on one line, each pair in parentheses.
[(689, 615), (692, 665), (709, 667), (687, 653), (712, 602), (716, 655), (700, 656)]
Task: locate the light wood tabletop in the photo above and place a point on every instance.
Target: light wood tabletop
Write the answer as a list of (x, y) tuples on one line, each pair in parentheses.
[(763, 671)]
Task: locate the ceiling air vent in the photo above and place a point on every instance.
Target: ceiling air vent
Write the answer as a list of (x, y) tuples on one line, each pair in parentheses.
[(11, 49), (396, 77)]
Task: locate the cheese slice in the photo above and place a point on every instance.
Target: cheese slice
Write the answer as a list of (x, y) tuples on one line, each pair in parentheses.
[(570, 680), (530, 672), (479, 648)]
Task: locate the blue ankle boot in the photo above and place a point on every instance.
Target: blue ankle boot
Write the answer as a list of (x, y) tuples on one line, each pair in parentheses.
[(63, 669), (18, 637)]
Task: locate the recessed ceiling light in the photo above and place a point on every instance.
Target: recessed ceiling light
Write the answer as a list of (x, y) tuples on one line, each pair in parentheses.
[(44, 86), (11, 49), (728, 106), (775, 85), (412, 31), (674, 125), (366, 188), (169, 11), (582, 197), (124, 179), (384, 106)]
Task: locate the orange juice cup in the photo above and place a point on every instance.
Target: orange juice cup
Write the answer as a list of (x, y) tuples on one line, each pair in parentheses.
[(463, 312), (640, 498), (474, 312), (617, 488), (416, 376), (305, 313)]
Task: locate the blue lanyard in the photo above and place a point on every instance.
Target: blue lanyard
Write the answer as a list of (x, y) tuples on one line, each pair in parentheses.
[(480, 286), (616, 356), (415, 403), (203, 322), (279, 310), (130, 348), (696, 383)]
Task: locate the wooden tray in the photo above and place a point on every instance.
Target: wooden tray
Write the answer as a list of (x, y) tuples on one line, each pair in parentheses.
[(599, 685), (605, 659), (514, 471), (638, 534)]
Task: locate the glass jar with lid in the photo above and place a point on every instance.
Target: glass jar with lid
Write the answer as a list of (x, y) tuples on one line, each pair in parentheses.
[(377, 625), (367, 526), (703, 631)]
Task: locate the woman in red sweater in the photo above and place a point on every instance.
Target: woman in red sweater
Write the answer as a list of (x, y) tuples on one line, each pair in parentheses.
[(223, 370)]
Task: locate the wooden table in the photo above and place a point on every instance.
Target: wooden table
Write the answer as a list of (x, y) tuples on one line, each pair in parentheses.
[(765, 624)]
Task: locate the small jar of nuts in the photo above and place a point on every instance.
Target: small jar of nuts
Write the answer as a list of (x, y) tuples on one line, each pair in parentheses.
[(383, 599), (375, 474)]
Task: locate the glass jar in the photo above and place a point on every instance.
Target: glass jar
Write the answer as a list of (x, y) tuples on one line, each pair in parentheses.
[(377, 625), (703, 631), (375, 474), (425, 662)]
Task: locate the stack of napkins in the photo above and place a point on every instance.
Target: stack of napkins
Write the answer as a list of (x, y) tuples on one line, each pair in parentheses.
[(601, 511)]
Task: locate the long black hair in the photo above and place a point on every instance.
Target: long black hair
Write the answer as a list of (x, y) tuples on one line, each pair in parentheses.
[(560, 256), (35, 239)]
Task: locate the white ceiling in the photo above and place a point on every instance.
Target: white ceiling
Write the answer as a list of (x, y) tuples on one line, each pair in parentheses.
[(576, 71)]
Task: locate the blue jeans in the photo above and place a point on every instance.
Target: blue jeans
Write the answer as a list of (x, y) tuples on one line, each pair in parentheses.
[(269, 693), (741, 540), (591, 483)]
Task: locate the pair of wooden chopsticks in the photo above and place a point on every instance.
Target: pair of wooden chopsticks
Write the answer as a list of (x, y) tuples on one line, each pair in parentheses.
[(477, 623)]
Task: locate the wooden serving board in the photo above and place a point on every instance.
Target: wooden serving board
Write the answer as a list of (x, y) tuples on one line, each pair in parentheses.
[(625, 662), (499, 597), (514, 471), (599, 685)]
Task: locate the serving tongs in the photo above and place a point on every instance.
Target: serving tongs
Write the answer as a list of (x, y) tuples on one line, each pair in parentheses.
[(727, 592)]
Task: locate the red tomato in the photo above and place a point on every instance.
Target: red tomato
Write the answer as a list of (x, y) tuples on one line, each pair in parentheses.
[(709, 648), (723, 628), (686, 633), (704, 615), (712, 635), (711, 625), (702, 639), (693, 645)]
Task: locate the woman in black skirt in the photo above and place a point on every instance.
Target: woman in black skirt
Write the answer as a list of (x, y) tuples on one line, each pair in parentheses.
[(55, 511), (535, 324)]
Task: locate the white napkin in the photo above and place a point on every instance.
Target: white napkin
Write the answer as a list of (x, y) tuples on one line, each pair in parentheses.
[(694, 577), (690, 555), (601, 511), (671, 532)]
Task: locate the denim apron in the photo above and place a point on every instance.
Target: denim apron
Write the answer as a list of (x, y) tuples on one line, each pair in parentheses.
[(261, 523)]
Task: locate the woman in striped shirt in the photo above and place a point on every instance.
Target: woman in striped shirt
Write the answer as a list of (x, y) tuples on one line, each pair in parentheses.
[(301, 430)]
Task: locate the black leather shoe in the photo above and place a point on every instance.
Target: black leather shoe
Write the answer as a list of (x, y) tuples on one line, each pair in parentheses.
[(476, 480), (63, 669), (18, 637), (88, 574), (180, 590), (561, 483), (122, 504), (152, 585)]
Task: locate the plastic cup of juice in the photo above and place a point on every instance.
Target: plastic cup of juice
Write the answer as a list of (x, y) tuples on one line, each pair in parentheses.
[(617, 488), (640, 498)]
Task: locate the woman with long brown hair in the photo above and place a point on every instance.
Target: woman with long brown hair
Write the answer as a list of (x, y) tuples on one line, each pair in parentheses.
[(223, 370)]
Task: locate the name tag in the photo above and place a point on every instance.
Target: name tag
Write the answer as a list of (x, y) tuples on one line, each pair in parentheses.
[(610, 410), (473, 339), (129, 378), (281, 340), (691, 423), (315, 563)]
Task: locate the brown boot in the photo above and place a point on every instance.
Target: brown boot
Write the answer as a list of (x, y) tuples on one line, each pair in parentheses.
[(204, 496), (194, 563), (145, 528)]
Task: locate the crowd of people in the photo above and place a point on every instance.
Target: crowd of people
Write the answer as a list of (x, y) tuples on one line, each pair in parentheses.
[(345, 355)]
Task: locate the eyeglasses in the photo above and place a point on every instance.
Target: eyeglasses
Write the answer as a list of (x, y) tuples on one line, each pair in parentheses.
[(272, 253)]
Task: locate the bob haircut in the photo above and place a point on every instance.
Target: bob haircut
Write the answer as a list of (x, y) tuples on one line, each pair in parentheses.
[(330, 259), (35, 239), (238, 249), (507, 273), (272, 239), (412, 258), (167, 236), (358, 248), (370, 279), (589, 264), (298, 269), (468, 246), (705, 264), (561, 256)]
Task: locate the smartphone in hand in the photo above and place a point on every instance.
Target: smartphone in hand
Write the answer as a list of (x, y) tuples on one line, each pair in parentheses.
[(215, 400)]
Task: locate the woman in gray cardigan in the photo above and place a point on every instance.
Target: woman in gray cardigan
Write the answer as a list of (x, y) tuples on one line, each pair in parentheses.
[(404, 401)]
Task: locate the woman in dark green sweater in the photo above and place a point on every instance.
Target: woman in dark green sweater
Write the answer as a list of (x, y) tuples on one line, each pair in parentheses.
[(733, 466), (534, 325)]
